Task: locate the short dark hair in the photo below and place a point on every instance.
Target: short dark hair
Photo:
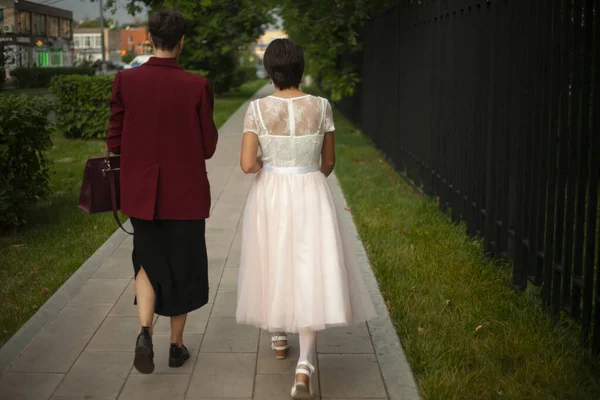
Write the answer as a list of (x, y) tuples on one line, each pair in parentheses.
[(284, 63), (167, 27)]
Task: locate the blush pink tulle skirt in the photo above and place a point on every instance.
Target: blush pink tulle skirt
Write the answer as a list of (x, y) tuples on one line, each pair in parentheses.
[(296, 273)]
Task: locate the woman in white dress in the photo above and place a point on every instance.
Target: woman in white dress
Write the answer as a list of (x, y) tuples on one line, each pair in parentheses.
[(296, 275)]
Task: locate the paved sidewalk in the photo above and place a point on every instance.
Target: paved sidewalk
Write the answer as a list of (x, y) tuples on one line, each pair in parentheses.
[(79, 345)]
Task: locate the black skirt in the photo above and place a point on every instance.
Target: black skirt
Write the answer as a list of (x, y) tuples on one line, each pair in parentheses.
[(173, 254)]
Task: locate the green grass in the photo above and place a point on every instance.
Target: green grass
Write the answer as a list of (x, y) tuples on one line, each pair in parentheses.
[(466, 334), (34, 263), (229, 102)]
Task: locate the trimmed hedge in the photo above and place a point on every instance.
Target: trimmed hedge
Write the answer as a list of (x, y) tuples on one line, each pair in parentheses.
[(24, 135), (82, 105), (41, 77)]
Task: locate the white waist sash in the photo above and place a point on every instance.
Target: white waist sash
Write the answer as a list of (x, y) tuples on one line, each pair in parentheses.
[(290, 170)]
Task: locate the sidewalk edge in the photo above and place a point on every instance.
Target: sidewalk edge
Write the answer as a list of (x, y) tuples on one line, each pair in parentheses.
[(19, 341)]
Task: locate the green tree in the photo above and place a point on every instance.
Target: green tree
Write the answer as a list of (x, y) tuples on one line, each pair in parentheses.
[(137, 22), (329, 33), (94, 23), (128, 57), (220, 30)]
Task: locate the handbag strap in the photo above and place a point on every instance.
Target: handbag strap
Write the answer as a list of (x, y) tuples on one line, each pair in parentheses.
[(113, 195), (113, 199)]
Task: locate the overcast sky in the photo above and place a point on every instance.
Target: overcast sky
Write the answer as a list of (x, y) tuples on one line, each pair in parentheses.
[(85, 8)]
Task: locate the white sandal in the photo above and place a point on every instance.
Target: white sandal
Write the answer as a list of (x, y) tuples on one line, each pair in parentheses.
[(280, 351), (300, 390)]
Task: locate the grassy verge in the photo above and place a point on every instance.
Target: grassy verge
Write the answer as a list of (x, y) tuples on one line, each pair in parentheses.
[(466, 334), (59, 238), (229, 102)]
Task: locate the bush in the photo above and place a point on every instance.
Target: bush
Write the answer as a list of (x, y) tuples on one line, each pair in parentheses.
[(128, 57), (221, 81), (224, 81), (2, 78), (82, 108), (248, 73), (24, 135), (242, 75), (200, 72), (41, 77)]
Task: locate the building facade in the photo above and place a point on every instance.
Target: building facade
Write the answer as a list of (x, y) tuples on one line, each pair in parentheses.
[(88, 44), (267, 37), (135, 40), (34, 34)]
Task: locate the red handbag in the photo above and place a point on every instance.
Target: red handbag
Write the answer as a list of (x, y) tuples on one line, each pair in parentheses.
[(101, 186)]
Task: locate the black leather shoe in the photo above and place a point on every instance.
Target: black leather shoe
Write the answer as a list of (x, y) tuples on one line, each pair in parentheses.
[(178, 355), (144, 352)]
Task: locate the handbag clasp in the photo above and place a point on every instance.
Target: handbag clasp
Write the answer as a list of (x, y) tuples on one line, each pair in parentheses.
[(105, 170), (108, 168)]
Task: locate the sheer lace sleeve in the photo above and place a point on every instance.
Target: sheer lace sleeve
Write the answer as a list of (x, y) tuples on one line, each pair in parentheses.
[(328, 124), (251, 120)]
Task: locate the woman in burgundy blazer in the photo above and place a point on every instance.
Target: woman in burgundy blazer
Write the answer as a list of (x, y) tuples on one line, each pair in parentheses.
[(162, 125)]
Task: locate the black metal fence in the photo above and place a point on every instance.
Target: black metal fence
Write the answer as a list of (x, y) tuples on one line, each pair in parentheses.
[(490, 106)]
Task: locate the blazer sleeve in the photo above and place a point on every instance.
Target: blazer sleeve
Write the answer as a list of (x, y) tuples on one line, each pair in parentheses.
[(117, 114), (210, 135)]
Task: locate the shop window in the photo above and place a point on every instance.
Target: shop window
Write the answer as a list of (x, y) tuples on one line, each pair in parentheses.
[(24, 20), (39, 24), (65, 28), (52, 26)]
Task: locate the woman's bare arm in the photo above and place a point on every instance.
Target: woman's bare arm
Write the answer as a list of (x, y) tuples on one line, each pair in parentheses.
[(328, 154), (249, 160)]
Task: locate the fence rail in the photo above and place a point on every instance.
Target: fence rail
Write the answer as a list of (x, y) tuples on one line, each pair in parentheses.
[(491, 106)]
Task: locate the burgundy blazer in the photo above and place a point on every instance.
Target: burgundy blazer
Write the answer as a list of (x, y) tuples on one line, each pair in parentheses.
[(162, 125)]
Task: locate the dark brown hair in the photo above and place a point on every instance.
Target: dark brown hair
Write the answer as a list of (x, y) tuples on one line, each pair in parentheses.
[(167, 27), (284, 63)]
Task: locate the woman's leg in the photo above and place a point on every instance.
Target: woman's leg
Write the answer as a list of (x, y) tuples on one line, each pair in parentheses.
[(178, 353), (177, 326), (144, 350), (308, 340), (302, 387), (146, 299)]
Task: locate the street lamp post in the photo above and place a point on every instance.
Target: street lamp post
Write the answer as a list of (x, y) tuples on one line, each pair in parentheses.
[(102, 29)]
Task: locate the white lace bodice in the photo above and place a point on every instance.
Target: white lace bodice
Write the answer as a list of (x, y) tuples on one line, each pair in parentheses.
[(290, 131)]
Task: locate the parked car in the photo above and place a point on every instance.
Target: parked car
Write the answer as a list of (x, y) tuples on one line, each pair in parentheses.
[(118, 65), (107, 66), (137, 61)]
